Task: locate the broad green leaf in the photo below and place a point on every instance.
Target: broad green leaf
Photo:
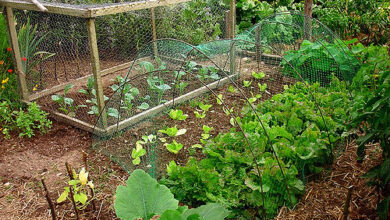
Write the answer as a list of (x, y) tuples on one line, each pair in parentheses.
[(113, 112), (68, 101), (211, 211), (219, 99), (56, 98), (67, 88), (172, 215), (137, 161), (143, 106), (142, 197), (204, 107), (63, 196)]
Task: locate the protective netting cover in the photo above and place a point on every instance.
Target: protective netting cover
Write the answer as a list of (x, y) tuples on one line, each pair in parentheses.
[(170, 74)]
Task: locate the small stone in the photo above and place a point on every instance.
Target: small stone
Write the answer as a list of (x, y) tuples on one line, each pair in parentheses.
[(6, 184)]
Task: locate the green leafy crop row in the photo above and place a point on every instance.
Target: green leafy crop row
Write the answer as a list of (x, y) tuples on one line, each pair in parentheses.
[(300, 137)]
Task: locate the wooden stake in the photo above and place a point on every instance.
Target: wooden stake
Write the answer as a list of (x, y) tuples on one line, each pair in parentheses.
[(96, 70), (154, 31), (232, 35), (51, 206), (258, 46), (307, 19), (347, 202), (227, 24), (16, 52), (85, 161), (70, 174)]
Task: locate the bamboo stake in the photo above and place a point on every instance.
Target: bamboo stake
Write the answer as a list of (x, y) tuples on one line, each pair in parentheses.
[(96, 70), (16, 52), (51, 206)]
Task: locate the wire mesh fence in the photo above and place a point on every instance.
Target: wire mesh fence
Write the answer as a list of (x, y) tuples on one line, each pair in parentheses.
[(56, 47)]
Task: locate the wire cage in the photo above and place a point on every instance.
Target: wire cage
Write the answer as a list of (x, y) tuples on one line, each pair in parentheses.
[(170, 75), (69, 57)]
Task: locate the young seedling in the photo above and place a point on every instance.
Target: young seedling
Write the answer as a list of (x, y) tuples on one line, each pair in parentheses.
[(177, 114), (262, 87), (206, 132), (219, 99), (259, 75), (228, 111), (199, 115), (173, 131), (138, 152), (79, 185), (66, 104), (204, 107), (232, 89), (247, 83), (174, 147), (91, 93)]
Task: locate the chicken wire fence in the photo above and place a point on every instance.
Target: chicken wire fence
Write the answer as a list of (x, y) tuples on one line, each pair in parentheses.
[(170, 74), (56, 55)]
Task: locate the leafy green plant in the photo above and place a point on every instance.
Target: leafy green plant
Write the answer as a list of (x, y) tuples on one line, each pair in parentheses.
[(219, 99), (206, 132), (367, 20), (144, 198), (66, 104), (335, 60), (29, 41), (177, 114), (137, 153), (258, 75), (178, 83), (207, 73), (79, 186), (174, 147), (128, 93), (232, 89), (296, 131), (247, 83), (199, 115), (24, 122), (205, 107), (173, 131), (371, 91)]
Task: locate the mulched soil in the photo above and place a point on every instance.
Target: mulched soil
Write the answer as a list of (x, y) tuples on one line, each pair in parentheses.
[(326, 194), (24, 162)]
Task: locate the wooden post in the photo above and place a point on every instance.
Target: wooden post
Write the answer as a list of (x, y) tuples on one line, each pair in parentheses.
[(154, 32), (227, 24), (16, 52), (307, 19), (96, 69), (232, 35), (258, 45)]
